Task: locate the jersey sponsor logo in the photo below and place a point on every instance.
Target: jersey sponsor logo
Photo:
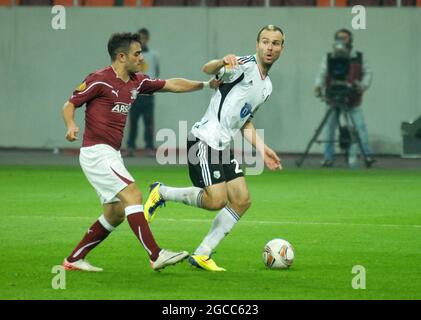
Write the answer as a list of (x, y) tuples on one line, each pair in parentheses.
[(81, 87), (245, 111), (121, 108), (115, 92)]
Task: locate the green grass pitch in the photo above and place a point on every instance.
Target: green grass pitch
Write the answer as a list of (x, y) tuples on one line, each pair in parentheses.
[(335, 219)]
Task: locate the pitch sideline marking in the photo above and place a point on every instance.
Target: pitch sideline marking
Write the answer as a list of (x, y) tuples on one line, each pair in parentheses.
[(305, 223), (248, 221)]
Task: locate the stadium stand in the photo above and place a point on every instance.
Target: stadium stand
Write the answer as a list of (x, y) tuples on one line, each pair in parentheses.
[(214, 3), (36, 2), (294, 3), (385, 3), (175, 3), (87, 3), (235, 3), (66, 3)]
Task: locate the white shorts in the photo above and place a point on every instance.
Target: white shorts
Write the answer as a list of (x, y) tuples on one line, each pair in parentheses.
[(105, 170)]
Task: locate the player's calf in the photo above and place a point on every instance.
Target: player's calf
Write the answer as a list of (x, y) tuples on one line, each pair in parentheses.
[(97, 233), (240, 205)]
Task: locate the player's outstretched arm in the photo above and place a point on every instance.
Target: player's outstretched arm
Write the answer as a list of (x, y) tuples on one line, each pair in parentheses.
[(213, 66), (178, 85), (269, 156), (68, 116)]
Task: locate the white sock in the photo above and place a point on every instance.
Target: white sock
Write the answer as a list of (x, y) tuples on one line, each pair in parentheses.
[(191, 196), (106, 224), (221, 226)]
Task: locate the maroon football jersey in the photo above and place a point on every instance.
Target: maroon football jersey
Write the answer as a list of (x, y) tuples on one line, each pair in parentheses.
[(108, 100)]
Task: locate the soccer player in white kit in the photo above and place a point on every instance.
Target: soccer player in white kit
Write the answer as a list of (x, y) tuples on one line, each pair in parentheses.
[(108, 94), (218, 180)]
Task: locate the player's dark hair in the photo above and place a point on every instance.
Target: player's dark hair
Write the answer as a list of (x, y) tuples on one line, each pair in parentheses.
[(144, 31), (120, 42), (349, 33), (271, 27)]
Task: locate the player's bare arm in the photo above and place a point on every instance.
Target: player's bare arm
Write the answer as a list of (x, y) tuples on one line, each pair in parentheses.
[(213, 66), (270, 157), (178, 85), (68, 116)]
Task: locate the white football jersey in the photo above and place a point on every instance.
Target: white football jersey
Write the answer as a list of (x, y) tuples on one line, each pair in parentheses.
[(235, 101)]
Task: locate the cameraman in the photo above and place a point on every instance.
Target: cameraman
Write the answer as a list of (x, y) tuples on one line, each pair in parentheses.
[(358, 77)]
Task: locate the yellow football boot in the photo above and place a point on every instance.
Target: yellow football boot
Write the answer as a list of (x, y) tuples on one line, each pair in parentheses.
[(205, 263), (154, 201)]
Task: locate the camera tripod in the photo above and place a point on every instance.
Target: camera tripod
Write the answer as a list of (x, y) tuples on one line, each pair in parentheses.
[(345, 143)]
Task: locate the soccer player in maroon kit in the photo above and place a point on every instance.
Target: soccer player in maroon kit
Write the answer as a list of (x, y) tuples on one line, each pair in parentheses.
[(108, 94)]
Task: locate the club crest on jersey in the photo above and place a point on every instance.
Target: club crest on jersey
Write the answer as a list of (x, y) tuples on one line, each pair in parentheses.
[(133, 93), (245, 111), (216, 174), (121, 108)]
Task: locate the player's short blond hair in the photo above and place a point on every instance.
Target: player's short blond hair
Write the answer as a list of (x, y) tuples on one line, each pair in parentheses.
[(271, 27)]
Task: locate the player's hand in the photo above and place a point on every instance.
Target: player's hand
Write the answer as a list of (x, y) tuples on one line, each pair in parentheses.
[(231, 60), (271, 159), (214, 83), (71, 134)]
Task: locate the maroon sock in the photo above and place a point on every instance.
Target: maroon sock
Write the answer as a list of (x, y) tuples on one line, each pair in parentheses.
[(92, 238), (142, 231)]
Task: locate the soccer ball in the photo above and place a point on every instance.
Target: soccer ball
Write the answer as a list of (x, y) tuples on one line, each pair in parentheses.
[(278, 254)]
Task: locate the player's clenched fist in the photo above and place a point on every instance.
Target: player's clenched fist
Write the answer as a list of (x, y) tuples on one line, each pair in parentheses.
[(214, 83), (71, 134), (231, 60)]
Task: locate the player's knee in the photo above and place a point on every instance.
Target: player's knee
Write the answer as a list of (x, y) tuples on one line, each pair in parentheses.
[(218, 203), (130, 195), (246, 202), (135, 194), (115, 217), (221, 203), (119, 217), (243, 203), (214, 199)]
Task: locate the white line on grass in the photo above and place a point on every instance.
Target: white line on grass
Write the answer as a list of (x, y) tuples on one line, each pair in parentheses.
[(307, 223), (244, 221)]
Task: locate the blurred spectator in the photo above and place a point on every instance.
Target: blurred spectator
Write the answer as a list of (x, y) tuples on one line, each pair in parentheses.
[(36, 2), (293, 3), (144, 104), (176, 3)]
